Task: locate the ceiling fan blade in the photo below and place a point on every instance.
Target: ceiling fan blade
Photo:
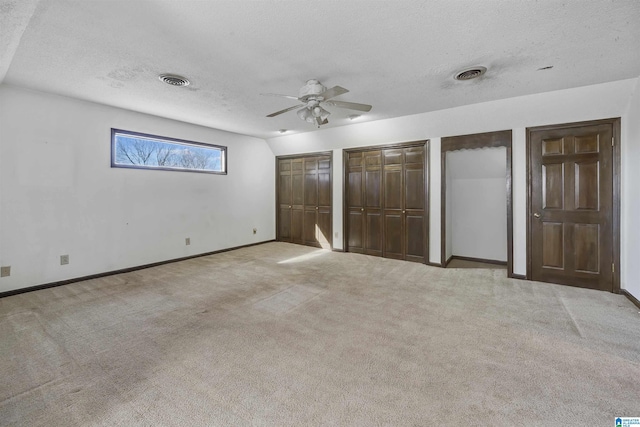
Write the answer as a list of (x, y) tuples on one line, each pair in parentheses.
[(277, 113), (350, 105), (281, 96), (334, 91)]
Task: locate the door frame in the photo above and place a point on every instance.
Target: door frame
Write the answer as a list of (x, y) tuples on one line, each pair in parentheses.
[(299, 156), (615, 123), (345, 187), (501, 138)]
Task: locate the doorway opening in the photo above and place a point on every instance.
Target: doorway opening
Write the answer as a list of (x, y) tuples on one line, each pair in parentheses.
[(477, 227)]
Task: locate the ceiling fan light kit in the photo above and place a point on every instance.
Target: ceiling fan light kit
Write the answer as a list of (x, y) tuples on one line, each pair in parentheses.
[(312, 95)]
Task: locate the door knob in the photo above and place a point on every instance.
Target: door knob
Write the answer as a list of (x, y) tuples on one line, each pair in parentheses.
[(316, 207), (289, 206), (362, 209), (402, 211), (537, 215)]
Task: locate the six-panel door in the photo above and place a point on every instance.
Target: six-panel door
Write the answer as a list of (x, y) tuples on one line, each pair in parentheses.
[(572, 206)]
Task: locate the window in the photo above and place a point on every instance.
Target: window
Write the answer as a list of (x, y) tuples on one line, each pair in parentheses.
[(137, 150)]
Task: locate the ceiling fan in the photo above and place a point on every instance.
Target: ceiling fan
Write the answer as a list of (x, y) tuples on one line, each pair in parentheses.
[(313, 96)]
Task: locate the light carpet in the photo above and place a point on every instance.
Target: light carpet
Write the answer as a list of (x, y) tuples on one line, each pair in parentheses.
[(286, 335)]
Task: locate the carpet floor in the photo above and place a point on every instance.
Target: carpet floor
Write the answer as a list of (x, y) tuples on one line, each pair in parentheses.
[(286, 335)]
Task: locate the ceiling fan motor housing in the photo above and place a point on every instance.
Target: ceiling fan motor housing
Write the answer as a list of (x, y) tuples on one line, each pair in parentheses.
[(311, 89)]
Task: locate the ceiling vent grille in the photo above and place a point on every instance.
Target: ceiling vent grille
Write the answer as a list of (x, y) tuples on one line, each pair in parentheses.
[(174, 80), (471, 73)]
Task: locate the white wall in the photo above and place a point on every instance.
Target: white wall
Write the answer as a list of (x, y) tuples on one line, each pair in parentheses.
[(571, 105), (630, 234), (479, 216), (477, 220), (59, 195)]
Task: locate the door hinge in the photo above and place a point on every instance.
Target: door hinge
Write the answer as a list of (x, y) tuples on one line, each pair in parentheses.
[(613, 268)]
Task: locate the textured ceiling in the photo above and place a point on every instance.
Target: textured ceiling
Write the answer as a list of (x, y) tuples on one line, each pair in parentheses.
[(397, 56)]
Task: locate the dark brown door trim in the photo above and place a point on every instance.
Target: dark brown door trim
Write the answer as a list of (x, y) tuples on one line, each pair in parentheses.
[(481, 140), (345, 178), (277, 177), (616, 162)]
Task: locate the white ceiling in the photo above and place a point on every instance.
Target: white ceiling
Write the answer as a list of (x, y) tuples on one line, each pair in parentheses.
[(397, 56)]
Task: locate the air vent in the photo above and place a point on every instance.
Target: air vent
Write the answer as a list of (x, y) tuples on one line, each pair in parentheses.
[(471, 73), (174, 80)]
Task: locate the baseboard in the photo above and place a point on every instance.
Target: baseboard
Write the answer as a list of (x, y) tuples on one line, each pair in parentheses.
[(448, 261), (433, 264), (630, 297), (124, 270), (486, 261), (337, 250), (519, 276)]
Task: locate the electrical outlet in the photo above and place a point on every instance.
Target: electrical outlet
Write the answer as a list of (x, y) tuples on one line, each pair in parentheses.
[(5, 271), (255, 230), (64, 259), (187, 241)]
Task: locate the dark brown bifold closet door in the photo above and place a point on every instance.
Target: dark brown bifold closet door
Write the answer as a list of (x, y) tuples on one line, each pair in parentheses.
[(415, 222), (304, 195), (365, 202), (386, 203)]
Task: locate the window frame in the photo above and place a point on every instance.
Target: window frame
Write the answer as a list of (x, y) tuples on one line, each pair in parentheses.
[(184, 142)]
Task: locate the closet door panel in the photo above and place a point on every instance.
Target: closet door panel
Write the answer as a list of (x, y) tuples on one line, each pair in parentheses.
[(373, 187), (374, 232), (355, 239), (355, 199), (414, 237), (393, 189), (414, 188), (393, 238), (311, 187), (393, 184), (373, 203), (285, 189), (393, 156), (297, 189), (310, 224), (324, 184), (284, 200), (284, 225), (355, 203), (414, 155), (297, 214), (323, 231)]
